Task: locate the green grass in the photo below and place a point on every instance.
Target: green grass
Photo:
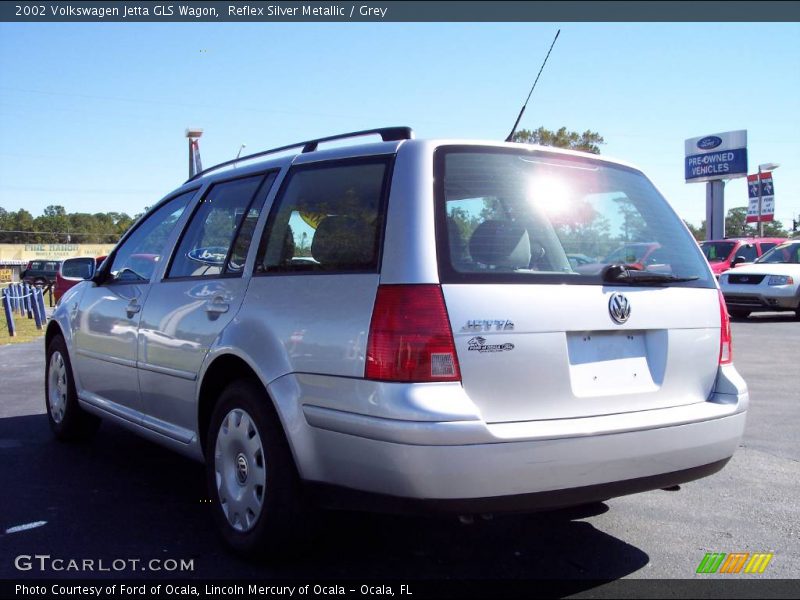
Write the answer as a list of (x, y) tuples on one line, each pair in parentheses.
[(26, 330)]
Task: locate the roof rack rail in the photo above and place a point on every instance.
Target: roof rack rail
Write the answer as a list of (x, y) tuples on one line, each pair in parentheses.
[(388, 134)]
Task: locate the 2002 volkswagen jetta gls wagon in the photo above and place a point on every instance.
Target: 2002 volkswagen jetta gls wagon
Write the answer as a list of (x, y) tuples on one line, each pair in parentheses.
[(397, 324)]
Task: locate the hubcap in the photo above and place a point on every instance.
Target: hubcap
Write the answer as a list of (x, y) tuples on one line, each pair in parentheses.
[(57, 387), (240, 470)]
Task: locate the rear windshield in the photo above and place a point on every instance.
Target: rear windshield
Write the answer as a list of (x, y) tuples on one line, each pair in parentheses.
[(39, 265), (717, 251), (534, 217), (79, 268)]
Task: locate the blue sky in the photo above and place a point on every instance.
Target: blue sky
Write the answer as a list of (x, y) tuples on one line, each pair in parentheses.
[(92, 116)]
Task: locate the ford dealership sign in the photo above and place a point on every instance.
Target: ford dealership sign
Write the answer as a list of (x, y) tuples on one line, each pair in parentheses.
[(718, 156)]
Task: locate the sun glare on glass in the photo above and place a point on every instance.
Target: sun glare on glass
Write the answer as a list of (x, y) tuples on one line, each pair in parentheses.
[(550, 194)]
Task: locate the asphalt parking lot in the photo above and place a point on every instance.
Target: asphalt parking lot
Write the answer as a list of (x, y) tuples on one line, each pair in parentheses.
[(122, 497)]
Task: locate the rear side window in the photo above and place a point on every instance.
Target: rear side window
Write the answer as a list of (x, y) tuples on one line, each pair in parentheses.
[(328, 217), (521, 216), (78, 268), (207, 240)]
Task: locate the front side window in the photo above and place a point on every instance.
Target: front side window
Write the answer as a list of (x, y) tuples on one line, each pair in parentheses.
[(748, 252), (204, 246), (328, 218), (136, 259), (521, 216), (785, 253)]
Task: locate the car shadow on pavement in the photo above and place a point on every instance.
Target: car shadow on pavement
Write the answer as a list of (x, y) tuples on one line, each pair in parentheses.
[(122, 497)]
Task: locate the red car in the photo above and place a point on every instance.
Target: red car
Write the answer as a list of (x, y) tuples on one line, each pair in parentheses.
[(74, 270), (731, 252)]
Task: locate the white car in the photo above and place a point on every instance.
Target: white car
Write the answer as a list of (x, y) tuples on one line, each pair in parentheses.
[(772, 283)]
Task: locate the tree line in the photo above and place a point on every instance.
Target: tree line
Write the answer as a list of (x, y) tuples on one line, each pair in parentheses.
[(57, 226), (736, 225)]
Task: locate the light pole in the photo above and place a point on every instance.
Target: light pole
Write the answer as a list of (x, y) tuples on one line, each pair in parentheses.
[(194, 151), (767, 167)]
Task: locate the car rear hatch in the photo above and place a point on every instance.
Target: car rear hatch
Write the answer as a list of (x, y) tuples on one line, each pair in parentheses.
[(539, 338)]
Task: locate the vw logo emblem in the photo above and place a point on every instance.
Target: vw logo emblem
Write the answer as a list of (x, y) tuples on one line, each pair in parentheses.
[(619, 307), (241, 468)]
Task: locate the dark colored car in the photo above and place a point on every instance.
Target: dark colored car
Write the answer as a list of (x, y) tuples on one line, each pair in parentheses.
[(41, 272), (731, 252), (74, 270)]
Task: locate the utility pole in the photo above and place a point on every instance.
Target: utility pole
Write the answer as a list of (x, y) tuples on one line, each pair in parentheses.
[(195, 166)]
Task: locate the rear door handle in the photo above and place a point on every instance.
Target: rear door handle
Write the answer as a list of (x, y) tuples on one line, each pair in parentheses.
[(217, 306), (133, 307)]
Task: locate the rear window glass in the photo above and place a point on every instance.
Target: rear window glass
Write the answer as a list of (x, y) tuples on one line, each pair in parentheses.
[(205, 245), (535, 217), (78, 268), (328, 218)]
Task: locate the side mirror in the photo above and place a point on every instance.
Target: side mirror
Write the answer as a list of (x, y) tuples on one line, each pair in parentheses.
[(738, 260), (99, 273), (90, 274)]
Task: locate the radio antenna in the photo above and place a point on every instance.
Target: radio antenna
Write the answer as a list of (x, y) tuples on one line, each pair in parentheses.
[(514, 129)]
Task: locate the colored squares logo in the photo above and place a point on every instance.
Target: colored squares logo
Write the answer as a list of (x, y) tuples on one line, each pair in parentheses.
[(735, 562)]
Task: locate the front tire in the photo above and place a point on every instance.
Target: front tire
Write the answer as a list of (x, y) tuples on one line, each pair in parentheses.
[(68, 420), (739, 313), (252, 480)]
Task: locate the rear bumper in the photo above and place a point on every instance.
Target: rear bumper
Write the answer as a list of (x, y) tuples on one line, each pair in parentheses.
[(512, 466), (527, 467), (338, 497)]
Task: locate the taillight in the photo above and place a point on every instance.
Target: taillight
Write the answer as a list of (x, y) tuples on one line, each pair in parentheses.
[(410, 339), (725, 340)]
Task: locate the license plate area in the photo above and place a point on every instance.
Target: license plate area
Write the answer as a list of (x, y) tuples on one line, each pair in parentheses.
[(605, 363)]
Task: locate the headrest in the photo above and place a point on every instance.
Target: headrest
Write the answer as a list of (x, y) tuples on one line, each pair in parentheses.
[(502, 244), (341, 240)]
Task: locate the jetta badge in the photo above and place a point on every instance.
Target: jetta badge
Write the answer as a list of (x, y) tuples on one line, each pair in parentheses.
[(619, 307)]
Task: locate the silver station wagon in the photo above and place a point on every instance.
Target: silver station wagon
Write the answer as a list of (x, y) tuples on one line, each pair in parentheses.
[(397, 325)]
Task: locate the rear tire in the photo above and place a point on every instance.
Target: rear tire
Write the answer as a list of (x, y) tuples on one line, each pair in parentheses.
[(739, 313), (251, 475), (68, 420)]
